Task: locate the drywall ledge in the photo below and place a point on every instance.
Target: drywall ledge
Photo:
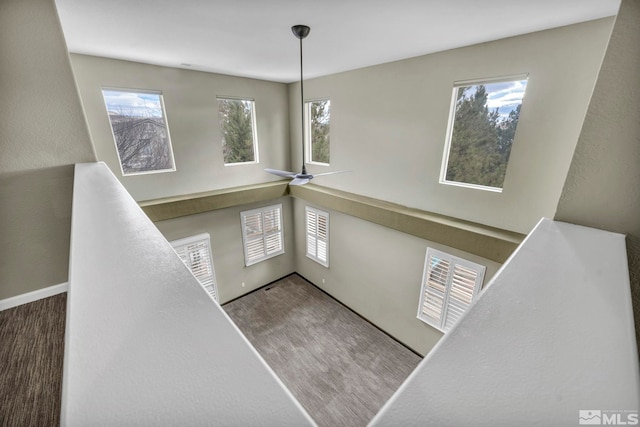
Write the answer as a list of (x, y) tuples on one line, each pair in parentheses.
[(551, 335), (488, 242), (145, 344), (190, 204)]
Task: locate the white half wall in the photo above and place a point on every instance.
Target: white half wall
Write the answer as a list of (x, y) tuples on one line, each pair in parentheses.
[(551, 335), (145, 343)]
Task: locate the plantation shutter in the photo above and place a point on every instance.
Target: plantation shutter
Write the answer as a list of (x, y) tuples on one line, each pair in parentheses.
[(464, 288), (195, 253), (434, 291), (450, 284), (272, 229), (253, 239), (312, 221), (262, 233), (317, 235)]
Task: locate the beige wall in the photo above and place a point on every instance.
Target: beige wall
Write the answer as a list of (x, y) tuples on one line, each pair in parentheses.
[(192, 116), (41, 120), (602, 189), (223, 226), (377, 272), (42, 132), (388, 125), (389, 122)]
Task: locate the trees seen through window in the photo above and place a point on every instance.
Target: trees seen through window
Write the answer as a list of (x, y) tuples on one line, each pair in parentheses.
[(318, 117), (484, 127), (237, 124)]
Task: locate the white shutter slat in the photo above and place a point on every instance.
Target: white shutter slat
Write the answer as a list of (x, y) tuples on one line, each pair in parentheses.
[(255, 248), (434, 288), (195, 253), (432, 306), (463, 284), (273, 243), (322, 250), (323, 227), (253, 225), (312, 219), (271, 218), (311, 245), (454, 312)]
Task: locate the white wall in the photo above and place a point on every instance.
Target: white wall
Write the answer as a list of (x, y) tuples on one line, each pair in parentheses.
[(603, 186), (145, 345), (375, 271), (519, 356), (192, 116), (224, 227), (389, 122)]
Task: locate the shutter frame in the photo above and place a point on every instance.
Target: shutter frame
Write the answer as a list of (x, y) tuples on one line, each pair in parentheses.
[(449, 286), (317, 235), (262, 233), (195, 253)]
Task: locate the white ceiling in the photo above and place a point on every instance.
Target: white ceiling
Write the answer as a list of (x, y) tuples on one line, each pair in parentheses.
[(252, 38)]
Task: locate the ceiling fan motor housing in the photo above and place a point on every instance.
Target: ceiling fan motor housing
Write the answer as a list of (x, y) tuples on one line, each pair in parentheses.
[(300, 31)]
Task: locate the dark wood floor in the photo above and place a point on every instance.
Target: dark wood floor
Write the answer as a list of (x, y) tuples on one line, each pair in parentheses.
[(341, 368), (31, 356)]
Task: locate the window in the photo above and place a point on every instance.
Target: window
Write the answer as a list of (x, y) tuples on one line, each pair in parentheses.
[(238, 127), (195, 252), (139, 131), (449, 285), (317, 118), (482, 127), (262, 234), (317, 235)]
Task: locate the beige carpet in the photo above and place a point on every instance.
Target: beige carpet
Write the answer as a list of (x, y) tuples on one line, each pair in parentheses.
[(341, 368), (31, 356)]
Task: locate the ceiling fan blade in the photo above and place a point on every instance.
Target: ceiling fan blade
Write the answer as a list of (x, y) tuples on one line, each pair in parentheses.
[(328, 173), (299, 181), (284, 174)]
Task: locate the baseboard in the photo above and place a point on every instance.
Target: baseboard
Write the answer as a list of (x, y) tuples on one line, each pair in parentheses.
[(33, 296)]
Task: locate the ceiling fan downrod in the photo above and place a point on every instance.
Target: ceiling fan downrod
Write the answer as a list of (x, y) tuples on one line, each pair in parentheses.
[(301, 31)]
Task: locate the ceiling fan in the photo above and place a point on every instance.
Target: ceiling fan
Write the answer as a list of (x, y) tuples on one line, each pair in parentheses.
[(300, 31)]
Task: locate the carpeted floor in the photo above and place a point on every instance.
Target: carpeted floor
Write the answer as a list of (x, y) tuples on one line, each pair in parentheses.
[(31, 356), (341, 368)]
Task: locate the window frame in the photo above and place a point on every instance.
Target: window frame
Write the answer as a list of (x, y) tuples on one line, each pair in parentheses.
[(451, 122), (315, 235), (254, 129), (181, 246), (263, 235), (308, 136), (164, 119), (442, 323)]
